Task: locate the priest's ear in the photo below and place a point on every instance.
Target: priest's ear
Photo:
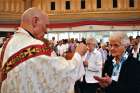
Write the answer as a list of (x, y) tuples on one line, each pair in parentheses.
[(35, 21)]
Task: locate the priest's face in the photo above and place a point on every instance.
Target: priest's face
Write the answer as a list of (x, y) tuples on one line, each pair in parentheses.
[(41, 27)]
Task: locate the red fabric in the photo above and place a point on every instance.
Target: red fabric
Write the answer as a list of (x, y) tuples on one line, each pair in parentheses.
[(41, 52), (108, 23), (20, 57), (3, 50), (2, 74), (81, 23)]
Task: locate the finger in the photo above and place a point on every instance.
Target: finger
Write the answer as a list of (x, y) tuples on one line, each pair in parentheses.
[(103, 85), (97, 78), (106, 75)]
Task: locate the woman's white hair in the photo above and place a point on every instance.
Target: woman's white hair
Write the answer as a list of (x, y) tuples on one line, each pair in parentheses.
[(91, 39), (122, 36)]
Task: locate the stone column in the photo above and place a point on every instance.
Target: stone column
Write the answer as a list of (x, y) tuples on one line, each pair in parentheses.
[(109, 5), (88, 4), (1, 5), (63, 5), (47, 6), (59, 5), (137, 4), (105, 4), (22, 6), (93, 5), (43, 4), (77, 5), (18, 4), (122, 4), (27, 4), (40, 3), (73, 5), (12, 5), (37, 3), (125, 4), (6, 5)]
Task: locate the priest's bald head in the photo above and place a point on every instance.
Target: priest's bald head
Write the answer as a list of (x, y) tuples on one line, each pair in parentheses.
[(35, 21)]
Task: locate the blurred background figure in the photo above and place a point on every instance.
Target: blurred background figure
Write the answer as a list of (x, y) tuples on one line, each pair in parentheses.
[(93, 67)]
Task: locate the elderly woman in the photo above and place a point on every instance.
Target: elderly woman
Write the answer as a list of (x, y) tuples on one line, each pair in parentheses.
[(120, 73)]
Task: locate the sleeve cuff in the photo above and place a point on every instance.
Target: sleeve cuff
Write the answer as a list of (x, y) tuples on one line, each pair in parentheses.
[(78, 57)]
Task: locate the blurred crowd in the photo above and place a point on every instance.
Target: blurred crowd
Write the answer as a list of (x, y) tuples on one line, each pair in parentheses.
[(66, 47)]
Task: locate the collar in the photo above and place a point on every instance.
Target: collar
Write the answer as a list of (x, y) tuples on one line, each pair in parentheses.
[(22, 30), (123, 58), (30, 33), (94, 51)]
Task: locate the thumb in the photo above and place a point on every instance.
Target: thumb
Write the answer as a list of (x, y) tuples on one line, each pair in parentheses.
[(106, 75)]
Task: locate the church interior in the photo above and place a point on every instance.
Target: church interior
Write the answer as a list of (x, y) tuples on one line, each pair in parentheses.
[(76, 18)]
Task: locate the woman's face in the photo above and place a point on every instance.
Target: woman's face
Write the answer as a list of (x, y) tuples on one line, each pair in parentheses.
[(116, 48), (91, 45)]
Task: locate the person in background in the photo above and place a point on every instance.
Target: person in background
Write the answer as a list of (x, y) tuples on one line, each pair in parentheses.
[(27, 64), (103, 52), (93, 67), (135, 49)]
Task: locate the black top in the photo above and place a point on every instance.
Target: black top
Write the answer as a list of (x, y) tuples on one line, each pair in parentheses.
[(129, 78)]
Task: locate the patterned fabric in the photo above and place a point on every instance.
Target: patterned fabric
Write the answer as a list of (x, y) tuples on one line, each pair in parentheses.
[(41, 77), (25, 54), (40, 74), (3, 50)]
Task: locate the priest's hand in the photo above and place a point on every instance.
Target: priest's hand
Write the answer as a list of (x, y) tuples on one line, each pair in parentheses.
[(81, 49), (85, 63)]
